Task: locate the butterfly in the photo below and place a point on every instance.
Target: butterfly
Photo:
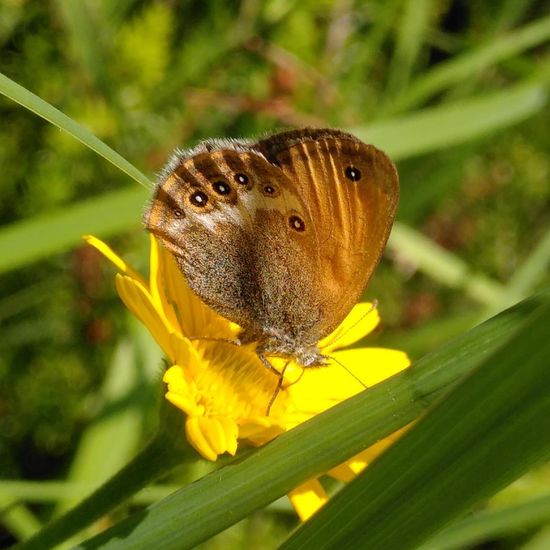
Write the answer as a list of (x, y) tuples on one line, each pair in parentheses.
[(279, 235)]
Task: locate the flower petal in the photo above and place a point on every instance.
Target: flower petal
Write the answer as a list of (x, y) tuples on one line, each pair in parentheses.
[(185, 402), (212, 436), (260, 430), (196, 436), (155, 276), (181, 393), (372, 365), (114, 258), (138, 300), (349, 469), (307, 498), (360, 321), (186, 355)]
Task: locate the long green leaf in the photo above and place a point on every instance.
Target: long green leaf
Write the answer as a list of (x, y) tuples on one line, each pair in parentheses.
[(29, 240), (471, 63), (43, 109), (217, 501), (489, 430), (439, 127), (446, 267), (410, 35)]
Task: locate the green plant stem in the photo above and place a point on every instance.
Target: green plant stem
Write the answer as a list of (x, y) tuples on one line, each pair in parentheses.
[(165, 451)]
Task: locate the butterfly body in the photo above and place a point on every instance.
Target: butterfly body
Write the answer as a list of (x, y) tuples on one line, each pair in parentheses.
[(281, 235)]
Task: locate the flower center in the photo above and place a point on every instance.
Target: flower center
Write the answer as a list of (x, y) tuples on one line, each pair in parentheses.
[(233, 381)]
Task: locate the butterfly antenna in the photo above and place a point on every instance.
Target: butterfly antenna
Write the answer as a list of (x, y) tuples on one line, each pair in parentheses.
[(275, 394), (373, 307), (347, 370)]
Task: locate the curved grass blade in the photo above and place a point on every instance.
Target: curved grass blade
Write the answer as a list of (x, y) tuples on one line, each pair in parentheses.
[(490, 429), (43, 109), (199, 511), (439, 127), (29, 240), (446, 267)]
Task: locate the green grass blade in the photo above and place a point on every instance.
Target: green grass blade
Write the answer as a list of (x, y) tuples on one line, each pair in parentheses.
[(440, 127), (81, 32), (410, 36), (490, 429), (525, 279), (112, 439), (26, 241), (533, 269), (55, 491), (491, 524), (469, 64), (540, 541), (33, 103), (219, 500), (17, 518), (447, 268)]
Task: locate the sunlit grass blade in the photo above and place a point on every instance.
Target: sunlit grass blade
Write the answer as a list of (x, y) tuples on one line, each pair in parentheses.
[(217, 501), (17, 518), (490, 524), (469, 64), (540, 541), (446, 267), (439, 127), (534, 268), (43, 109), (525, 279), (29, 240), (490, 429)]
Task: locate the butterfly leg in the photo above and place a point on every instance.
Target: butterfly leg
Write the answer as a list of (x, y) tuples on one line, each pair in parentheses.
[(234, 342), (280, 376)]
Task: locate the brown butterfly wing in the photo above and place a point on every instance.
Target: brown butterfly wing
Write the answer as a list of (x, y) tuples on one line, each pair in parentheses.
[(235, 246), (350, 191), (274, 235)]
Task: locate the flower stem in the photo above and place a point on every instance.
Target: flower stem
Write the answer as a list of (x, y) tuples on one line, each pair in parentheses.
[(167, 449)]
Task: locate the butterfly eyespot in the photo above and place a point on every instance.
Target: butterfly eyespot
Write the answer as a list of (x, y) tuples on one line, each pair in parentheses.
[(352, 173), (242, 179), (221, 187), (198, 198), (178, 213), (297, 223)]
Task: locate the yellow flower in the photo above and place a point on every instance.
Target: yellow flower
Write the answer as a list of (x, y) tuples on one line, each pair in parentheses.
[(225, 390)]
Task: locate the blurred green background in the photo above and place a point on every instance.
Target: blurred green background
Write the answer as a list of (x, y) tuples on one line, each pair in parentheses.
[(455, 91)]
